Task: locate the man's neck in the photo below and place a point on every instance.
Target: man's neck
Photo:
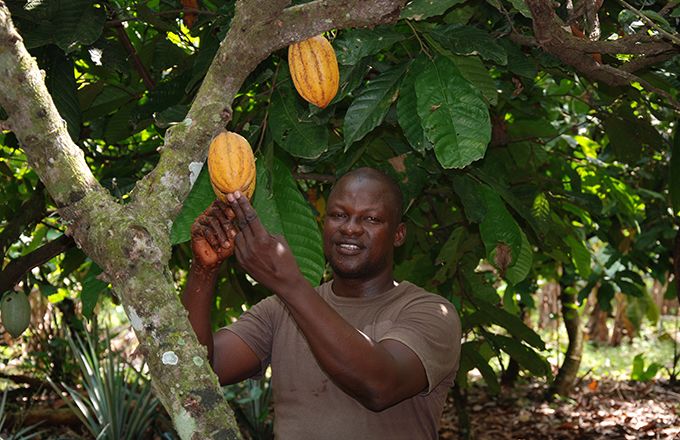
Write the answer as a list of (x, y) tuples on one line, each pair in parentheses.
[(361, 287)]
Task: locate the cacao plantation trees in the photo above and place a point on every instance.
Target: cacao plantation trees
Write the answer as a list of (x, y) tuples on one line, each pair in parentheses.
[(534, 141)]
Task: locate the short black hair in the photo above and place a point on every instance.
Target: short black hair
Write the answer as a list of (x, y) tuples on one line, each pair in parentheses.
[(393, 187)]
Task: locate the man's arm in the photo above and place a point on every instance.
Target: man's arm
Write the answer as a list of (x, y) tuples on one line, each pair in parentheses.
[(378, 375), (212, 242)]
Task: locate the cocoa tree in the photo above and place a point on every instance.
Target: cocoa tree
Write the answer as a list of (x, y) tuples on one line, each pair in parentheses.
[(131, 242), (525, 135)]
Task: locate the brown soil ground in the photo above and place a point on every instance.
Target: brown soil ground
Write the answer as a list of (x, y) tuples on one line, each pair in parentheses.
[(609, 410)]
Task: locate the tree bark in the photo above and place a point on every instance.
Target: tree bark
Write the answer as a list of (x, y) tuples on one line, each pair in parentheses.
[(566, 376), (131, 242)]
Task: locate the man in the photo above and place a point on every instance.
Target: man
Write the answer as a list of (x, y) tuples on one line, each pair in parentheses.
[(360, 357)]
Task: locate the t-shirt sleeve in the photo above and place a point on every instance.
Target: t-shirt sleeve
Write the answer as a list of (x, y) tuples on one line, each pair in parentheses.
[(431, 328), (256, 327)]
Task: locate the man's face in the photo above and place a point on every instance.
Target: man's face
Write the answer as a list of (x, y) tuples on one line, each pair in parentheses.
[(360, 230)]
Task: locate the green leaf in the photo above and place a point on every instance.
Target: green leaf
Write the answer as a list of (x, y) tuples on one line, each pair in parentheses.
[(513, 324), (92, 288), (521, 7), (518, 62), (61, 83), (519, 271), (624, 139), (283, 210), (422, 9), (674, 173), (473, 70), (200, 197), (407, 108), (470, 350), (354, 44), (454, 115), (66, 23), (292, 128), (368, 110), (469, 40), (469, 192), (580, 255), (499, 226), (526, 357), (351, 77), (119, 125)]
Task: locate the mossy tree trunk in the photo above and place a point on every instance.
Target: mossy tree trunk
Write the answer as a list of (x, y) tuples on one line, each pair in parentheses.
[(131, 242)]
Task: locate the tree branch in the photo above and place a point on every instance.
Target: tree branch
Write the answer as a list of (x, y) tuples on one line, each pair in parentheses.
[(137, 62), (258, 29), (574, 52), (15, 270)]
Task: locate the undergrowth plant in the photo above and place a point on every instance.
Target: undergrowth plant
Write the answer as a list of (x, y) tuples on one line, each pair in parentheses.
[(24, 433), (116, 402)]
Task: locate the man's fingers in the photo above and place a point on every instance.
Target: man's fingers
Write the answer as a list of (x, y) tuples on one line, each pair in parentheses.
[(225, 209), (216, 227), (246, 215)]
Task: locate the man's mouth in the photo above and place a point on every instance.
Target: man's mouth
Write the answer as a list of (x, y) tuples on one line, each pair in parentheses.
[(348, 248)]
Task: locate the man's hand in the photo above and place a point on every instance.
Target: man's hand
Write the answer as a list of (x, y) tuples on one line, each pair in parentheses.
[(212, 236), (267, 258)]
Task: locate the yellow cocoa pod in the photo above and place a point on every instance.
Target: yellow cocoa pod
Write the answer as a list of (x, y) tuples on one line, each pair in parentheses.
[(314, 69), (231, 165)]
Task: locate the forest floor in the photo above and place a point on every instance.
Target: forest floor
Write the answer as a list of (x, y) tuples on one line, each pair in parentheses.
[(604, 409)]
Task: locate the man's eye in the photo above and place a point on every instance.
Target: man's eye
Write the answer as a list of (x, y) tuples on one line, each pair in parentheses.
[(373, 219), (336, 215)]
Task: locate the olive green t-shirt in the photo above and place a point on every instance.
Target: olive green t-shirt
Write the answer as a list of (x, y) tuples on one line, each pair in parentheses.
[(309, 406)]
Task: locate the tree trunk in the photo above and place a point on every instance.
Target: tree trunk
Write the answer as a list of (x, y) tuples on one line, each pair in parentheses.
[(131, 242), (572, 361)]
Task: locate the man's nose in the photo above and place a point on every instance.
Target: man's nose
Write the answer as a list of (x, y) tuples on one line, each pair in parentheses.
[(351, 227)]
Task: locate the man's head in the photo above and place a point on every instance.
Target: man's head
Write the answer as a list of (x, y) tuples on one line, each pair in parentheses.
[(363, 224)]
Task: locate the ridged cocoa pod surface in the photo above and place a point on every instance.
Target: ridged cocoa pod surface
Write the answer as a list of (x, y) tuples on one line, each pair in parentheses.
[(15, 312), (314, 69), (231, 165)]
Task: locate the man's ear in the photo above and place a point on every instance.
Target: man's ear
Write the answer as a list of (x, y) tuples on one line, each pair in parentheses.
[(400, 235)]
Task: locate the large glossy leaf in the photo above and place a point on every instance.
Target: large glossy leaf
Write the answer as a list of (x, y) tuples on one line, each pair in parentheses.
[(513, 324), (354, 44), (351, 77), (65, 23), (283, 210), (526, 357), (499, 227), (407, 108), (473, 70), (623, 139), (454, 115), (470, 350), (200, 197), (92, 288), (292, 127), (61, 84), (519, 271), (468, 191), (469, 40), (368, 110), (119, 126), (580, 255), (422, 9)]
